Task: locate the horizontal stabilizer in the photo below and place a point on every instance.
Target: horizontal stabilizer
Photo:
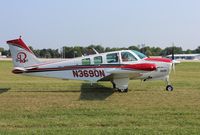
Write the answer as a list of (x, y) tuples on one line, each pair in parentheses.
[(19, 70)]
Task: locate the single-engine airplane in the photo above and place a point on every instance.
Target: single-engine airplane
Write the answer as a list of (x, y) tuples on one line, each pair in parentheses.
[(118, 67)]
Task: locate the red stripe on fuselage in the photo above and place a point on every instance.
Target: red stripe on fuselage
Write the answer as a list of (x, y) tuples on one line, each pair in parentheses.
[(140, 66), (159, 59)]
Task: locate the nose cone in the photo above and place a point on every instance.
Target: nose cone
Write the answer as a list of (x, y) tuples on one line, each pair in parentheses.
[(141, 66)]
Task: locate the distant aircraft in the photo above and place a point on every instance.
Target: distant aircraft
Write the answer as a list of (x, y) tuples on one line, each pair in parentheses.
[(118, 67)]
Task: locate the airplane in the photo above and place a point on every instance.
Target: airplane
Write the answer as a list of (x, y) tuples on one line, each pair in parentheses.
[(118, 67)]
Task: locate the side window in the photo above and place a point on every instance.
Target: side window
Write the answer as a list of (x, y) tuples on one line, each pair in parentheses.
[(112, 58), (86, 61), (127, 56), (98, 60)]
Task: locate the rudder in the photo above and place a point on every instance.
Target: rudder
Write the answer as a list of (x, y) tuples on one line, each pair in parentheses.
[(21, 54)]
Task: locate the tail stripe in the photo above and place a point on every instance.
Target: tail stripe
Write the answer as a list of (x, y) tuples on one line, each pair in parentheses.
[(21, 54), (19, 43)]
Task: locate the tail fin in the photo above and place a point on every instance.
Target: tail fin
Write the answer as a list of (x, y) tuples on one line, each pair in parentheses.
[(21, 54)]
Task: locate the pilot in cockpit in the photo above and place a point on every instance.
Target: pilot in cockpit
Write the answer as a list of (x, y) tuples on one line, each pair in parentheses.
[(127, 56), (124, 57)]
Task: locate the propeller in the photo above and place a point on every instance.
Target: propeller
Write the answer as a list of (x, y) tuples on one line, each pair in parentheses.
[(174, 62), (173, 59)]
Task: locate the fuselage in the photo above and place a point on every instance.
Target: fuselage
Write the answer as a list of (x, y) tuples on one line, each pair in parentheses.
[(104, 66), (118, 67)]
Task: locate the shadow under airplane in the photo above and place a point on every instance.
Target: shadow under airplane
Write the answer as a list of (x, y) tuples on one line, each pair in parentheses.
[(87, 92), (2, 90), (95, 92)]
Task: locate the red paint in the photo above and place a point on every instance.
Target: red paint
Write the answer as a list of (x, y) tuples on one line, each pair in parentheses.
[(79, 71), (141, 66), (20, 43), (21, 57), (17, 71), (159, 59)]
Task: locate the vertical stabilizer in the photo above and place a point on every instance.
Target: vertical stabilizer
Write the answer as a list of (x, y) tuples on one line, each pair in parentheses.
[(21, 54)]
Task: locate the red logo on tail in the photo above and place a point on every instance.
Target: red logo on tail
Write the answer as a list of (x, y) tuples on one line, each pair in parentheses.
[(21, 57)]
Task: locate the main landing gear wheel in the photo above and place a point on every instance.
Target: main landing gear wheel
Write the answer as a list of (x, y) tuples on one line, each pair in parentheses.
[(123, 90), (169, 88)]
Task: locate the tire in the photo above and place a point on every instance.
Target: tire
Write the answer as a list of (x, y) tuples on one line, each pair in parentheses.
[(169, 88), (126, 90), (123, 90)]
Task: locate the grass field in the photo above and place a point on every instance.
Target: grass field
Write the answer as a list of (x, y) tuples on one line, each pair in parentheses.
[(31, 105)]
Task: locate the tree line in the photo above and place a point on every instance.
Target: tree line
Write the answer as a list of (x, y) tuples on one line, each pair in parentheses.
[(77, 51)]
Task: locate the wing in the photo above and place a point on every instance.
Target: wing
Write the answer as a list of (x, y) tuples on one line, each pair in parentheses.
[(120, 76)]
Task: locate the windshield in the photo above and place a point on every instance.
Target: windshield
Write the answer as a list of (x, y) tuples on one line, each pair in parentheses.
[(139, 54), (127, 56)]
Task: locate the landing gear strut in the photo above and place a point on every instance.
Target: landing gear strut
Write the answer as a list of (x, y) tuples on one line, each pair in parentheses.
[(117, 89), (120, 84), (114, 85)]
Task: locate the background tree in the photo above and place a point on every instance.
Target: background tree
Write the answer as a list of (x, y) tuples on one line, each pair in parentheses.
[(168, 51), (1, 49), (197, 50), (155, 51), (188, 51), (146, 50), (78, 51), (133, 48)]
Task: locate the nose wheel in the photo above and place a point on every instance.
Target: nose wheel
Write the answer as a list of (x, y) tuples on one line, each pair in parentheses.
[(169, 88)]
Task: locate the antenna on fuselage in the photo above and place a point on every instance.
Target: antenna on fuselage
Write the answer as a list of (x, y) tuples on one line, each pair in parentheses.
[(95, 51)]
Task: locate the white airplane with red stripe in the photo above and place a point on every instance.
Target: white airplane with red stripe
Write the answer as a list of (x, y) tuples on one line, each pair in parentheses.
[(118, 67)]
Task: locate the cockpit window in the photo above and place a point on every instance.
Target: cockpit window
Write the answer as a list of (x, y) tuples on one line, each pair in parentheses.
[(139, 54), (127, 56)]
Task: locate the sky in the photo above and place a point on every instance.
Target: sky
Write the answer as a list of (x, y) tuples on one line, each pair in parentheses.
[(110, 23)]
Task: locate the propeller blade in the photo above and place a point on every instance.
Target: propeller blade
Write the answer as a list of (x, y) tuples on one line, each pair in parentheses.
[(172, 52), (173, 66), (173, 59)]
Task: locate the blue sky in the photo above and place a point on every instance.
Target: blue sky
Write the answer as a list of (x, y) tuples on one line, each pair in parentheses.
[(111, 23)]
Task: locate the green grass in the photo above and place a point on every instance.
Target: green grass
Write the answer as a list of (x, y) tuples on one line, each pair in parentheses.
[(31, 105)]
